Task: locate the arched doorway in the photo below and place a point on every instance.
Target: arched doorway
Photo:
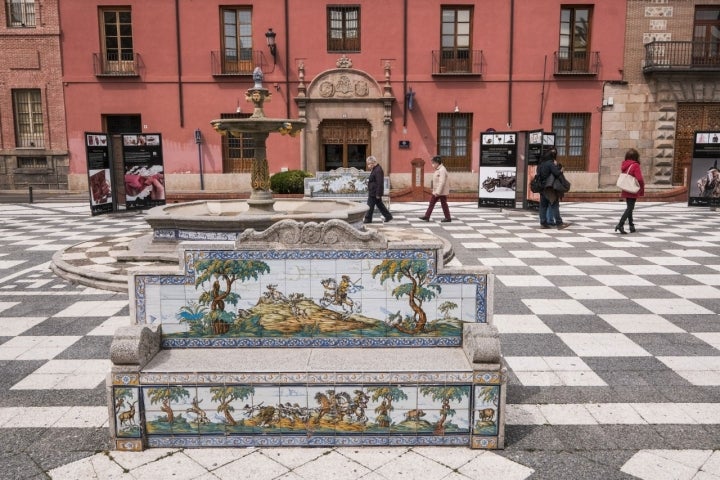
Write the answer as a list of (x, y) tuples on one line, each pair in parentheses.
[(348, 118)]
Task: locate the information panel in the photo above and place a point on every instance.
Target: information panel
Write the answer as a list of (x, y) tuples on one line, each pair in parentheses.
[(498, 169), (704, 188), (144, 171), (97, 152)]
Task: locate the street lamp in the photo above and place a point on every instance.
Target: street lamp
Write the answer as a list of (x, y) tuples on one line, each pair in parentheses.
[(270, 37)]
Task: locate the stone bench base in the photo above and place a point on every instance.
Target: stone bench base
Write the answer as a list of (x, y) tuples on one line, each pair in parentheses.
[(307, 397)]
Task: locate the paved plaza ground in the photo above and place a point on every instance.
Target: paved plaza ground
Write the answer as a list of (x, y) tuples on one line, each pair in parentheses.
[(612, 344)]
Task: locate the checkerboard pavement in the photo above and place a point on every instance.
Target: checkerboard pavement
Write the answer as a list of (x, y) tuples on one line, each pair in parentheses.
[(612, 343)]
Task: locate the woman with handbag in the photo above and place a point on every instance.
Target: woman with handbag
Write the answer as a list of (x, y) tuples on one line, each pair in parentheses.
[(631, 166)]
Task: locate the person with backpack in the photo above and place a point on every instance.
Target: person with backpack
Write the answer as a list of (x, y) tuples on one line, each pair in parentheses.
[(549, 172)]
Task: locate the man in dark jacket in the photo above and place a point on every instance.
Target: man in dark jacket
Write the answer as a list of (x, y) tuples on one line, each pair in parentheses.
[(376, 190), (549, 211)]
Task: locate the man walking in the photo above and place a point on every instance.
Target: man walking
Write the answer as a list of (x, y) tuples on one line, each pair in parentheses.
[(376, 190)]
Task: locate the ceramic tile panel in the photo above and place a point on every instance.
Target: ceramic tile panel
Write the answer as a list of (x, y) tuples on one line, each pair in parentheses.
[(320, 415), (318, 298)]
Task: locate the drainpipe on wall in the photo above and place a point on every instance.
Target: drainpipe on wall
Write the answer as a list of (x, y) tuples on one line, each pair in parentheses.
[(287, 60), (179, 64), (510, 68), (405, 92)]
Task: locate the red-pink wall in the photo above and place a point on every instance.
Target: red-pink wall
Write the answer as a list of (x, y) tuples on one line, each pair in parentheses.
[(156, 93)]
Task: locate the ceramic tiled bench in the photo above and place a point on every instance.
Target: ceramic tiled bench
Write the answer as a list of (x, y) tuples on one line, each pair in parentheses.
[(310, 335), (342, 184)]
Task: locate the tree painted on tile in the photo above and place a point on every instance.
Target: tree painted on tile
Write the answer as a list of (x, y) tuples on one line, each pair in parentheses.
[(445, 394), (418, 290), (165, 395), (388, 394), (226, 395), (227, 271)]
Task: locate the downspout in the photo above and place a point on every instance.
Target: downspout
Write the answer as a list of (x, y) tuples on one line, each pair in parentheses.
[(405, 63), (510, 67), (179, 64), (287, 60)]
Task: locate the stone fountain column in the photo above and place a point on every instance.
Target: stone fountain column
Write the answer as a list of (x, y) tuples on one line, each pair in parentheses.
[(258, 127)]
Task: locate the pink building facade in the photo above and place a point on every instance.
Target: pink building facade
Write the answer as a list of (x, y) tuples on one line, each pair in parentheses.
[(406, 81)]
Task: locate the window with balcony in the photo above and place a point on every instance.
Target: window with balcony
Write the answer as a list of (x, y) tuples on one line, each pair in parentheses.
[(456, 40), (20, 13), (238, 151), (117, 56), (574, 52), (706, 36), (29, 127), (343, 28), (454, 132), (236, 56), (572, 133)]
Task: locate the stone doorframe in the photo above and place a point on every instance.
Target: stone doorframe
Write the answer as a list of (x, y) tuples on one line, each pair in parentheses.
[(345, 93), (668, 91)]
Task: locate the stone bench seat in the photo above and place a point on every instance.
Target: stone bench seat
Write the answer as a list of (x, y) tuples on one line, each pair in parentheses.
[(301, 364)]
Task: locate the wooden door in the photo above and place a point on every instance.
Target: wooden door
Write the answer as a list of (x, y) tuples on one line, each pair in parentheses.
[(691, 117)]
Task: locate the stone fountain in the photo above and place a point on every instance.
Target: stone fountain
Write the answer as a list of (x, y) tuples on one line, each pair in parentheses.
[(224, 219)]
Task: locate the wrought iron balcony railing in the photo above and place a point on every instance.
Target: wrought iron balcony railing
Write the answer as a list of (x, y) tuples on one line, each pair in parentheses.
[(680, 56), (234, 62), (576, 63), (457, 62), (108, 64)]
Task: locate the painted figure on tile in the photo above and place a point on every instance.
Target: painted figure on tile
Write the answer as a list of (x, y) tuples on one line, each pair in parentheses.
[(128, 417), (337, 294), (265, 417), (200, 415), (486, 402)]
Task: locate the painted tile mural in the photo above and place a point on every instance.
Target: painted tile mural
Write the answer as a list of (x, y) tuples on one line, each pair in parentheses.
[(311, 298), (331, 414)]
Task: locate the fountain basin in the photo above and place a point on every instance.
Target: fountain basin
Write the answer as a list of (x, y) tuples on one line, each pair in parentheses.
[(223, 220)]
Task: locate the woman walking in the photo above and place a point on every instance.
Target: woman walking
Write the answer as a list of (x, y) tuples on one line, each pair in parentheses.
[(440, 190), (631, 166)]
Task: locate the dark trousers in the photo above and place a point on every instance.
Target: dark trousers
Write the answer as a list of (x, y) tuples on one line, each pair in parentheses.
[(443, 204), (373, 202), (627, 214)]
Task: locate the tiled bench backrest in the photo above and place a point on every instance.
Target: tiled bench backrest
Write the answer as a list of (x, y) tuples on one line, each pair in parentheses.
[(270, 297), (342, 183)]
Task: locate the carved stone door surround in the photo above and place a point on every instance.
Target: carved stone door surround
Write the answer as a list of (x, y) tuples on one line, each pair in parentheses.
[(349, 94)]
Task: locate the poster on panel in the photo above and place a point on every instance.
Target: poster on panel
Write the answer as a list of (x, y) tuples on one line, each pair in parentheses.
[(535, 150), (144, 171), (704, 188), (498, 169), (97, 153)]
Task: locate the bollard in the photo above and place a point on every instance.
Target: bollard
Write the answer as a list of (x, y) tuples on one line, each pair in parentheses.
[(30, 194)]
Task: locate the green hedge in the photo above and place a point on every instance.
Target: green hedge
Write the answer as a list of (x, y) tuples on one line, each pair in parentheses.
[(291, 181)]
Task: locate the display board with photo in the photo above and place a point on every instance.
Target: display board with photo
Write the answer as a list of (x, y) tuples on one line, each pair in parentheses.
[(704, 188), (97, 151), (144, 171), (498, 169)]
